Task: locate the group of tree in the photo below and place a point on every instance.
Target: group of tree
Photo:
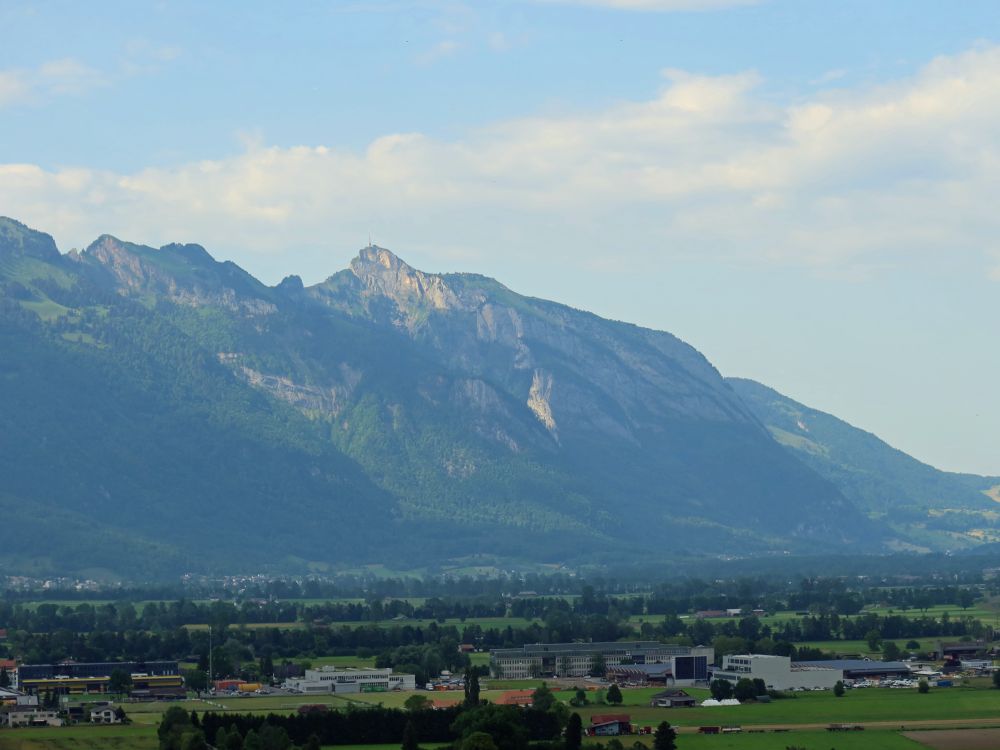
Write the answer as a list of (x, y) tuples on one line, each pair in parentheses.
[(744, 690), (179, 730), (507, 727)]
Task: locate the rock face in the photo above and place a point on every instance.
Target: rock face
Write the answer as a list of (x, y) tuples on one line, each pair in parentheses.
[(185, 274), (615, 377), (485, 422)]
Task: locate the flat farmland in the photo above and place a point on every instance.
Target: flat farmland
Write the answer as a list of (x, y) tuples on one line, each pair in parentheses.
[(958, 739), (861, 647), (807, 740), (83, 737), (484, 622), (981, 611), (810, 711), (858, 706), (342, 662)]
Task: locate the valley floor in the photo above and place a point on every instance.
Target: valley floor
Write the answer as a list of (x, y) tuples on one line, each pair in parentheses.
[(963, 717)]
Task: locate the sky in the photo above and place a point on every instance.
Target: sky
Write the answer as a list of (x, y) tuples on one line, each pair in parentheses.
[(806, 191)]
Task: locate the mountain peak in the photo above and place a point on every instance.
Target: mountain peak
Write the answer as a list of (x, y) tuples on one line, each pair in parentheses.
[(18, 239), (385, 274), (378, 257)]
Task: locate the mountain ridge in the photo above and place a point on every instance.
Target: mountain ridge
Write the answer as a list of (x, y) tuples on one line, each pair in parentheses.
[(882, 480), (488, 424)]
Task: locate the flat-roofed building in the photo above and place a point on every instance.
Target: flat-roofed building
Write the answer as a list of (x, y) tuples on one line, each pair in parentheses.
[(961, 649), (861, 669), (777, 672), (333, 680), (94, 677), (30, 716), (636, 661)]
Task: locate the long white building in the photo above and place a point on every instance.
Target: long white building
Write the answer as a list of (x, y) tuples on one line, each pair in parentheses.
[(333, 680), (777, 672)]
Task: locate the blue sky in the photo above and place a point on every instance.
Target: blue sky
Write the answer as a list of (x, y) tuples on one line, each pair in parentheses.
[(805, 191)]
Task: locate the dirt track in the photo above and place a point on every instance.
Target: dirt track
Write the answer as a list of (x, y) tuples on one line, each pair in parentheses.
[(924, 724)]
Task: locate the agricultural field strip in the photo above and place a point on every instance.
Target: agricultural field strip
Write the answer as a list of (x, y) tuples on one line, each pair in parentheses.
[(879, 710), (870, 705)]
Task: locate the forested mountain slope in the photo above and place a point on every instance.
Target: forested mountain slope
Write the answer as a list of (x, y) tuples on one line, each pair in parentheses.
[(931, 507), (164, 411)]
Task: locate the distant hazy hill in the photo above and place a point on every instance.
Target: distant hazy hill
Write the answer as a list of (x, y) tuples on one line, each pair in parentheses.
[(926, 505), (161, 411)]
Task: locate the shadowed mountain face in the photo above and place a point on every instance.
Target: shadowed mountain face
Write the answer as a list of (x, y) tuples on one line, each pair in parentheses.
[(383, 415), (931, 508)]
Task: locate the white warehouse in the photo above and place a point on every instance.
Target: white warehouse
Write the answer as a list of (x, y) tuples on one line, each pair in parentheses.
[(333, 680), (777, 672)]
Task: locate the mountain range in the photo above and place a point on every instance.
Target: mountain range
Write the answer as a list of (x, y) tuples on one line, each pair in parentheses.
[(163, 412)]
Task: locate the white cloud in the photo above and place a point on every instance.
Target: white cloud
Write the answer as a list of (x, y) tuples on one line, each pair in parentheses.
[(849, 183), (442, 49), (13, 86), (66, 76)]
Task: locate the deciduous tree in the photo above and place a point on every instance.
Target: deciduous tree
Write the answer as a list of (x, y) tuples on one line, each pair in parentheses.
[(721, 689), (543, 699), (614, 696)]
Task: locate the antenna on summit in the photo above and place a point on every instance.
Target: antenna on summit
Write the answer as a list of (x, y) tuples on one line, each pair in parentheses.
[(370, 239)]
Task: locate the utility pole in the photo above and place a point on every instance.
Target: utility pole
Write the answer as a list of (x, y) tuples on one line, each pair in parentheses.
[(210, 683)]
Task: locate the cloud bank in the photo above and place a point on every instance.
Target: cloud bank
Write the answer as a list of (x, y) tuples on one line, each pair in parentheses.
[(847, 182)]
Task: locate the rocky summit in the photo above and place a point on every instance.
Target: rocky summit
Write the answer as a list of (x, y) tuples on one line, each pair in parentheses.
[(157, 399)]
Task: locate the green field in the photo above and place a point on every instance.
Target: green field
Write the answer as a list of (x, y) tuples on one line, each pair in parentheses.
[(861, 647), (254, 626), (869, 704), (484, 622), (132, 738), (981, 610), (821, 740), (816, 708), (81, 737), (342, 662)]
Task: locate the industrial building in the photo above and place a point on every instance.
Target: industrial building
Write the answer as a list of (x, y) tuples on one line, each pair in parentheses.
[(962, 650), (777, 672), (861, 669), (153, 677), (333, 680), (657, 663)]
